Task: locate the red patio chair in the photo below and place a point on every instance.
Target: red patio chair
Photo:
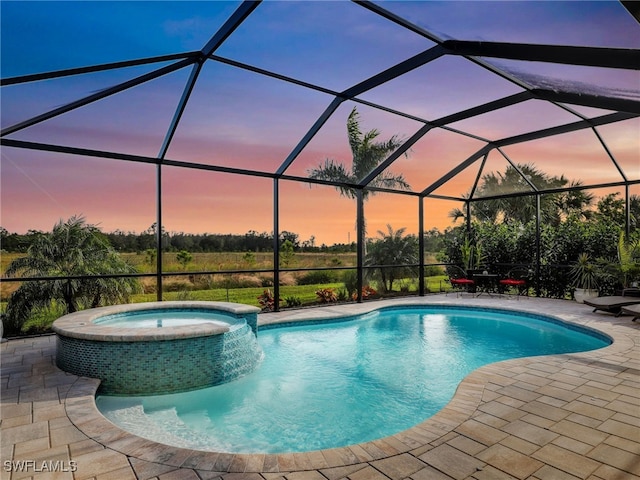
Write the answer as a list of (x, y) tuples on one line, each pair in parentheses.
[(517, 279), (459, 280)]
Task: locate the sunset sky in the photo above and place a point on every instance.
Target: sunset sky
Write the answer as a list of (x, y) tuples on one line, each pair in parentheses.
[(237, 118)]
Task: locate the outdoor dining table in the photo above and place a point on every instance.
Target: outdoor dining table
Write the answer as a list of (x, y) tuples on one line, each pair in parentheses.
[(486, 283)]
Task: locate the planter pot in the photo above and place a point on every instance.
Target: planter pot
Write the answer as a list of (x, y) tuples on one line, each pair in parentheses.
[(580, 294)]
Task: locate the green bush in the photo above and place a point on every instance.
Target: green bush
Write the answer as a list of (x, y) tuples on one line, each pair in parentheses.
[(350, 279), (317, 277), (177, 286), (342, 295), (433, 270), (505, 245), (292, 301)]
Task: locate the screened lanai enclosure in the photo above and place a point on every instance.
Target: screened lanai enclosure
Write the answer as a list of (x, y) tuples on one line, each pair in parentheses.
[(326, 123)]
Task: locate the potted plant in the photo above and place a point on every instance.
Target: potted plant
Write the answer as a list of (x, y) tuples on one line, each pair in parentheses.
[(584, 275)]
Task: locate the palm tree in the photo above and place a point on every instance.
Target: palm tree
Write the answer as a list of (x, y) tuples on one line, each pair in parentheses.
[(73, 248), (392, 248), (611, 208), (367, 155), (522, 209)]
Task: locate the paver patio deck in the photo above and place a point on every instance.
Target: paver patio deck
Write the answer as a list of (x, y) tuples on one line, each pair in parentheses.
[(560, 417)]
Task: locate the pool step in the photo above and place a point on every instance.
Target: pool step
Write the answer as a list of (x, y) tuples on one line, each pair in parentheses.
[(163, 426), (171, 422), (135, 420)]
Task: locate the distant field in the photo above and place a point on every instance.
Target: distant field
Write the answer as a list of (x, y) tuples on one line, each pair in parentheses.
[(219, 261)]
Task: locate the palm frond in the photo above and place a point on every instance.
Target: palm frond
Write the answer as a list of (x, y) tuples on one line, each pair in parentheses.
[(389, 180), (367, 155), (353, 130), (333, 171)]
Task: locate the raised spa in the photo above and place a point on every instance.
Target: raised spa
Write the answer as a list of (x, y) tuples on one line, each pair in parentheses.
[(159, 347)]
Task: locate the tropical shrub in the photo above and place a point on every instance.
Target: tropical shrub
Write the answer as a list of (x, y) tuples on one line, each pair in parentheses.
[(184, 258), (287, 253), (350, 279), (623, 270), (150, 256), (368, 292), (342, 295), (267, 301), (472, 256), (72, 249), (316, 277), (292, 301), (326, 295), (585, 273), (505, 245), (249, 258), (395, 249), (629, 259), (433, 270)]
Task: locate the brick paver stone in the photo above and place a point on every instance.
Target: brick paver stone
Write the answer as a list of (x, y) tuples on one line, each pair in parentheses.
[(566, 461), (451, 461), (621, 459), (510, 461), (399, 467)]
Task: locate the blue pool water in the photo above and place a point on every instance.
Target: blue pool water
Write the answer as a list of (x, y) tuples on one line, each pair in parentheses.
[(168, 317), (338, 383)]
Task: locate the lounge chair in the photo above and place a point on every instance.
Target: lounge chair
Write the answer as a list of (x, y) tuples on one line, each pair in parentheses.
[(615, 303), (632, 310)]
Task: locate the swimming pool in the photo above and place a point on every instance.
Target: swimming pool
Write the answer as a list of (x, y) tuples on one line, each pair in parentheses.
[(336, 383)]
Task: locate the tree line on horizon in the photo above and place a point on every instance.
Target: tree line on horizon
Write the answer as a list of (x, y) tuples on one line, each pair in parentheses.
[(132, 242)]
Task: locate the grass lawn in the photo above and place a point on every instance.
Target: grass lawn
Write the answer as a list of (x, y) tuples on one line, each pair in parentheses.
[(305, 293), (249, 296)]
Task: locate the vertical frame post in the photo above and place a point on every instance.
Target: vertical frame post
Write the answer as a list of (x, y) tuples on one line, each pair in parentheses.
[(361, 239), (421, 246), (159, 232), (276, 244), (538, 243)]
